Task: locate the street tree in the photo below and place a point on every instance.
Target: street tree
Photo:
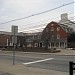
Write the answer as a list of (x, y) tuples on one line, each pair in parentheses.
[(71, 39), (46, 35)]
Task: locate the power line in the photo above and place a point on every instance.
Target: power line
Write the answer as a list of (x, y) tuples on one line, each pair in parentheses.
[(42, 22), (38, 13), (40, 29), (47, 21), (25, 29), (40, 25)]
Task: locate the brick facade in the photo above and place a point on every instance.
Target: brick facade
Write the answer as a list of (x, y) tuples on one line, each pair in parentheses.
[(55, 35), (3, 39)]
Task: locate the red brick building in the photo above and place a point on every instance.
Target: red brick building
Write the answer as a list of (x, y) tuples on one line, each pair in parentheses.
[(56, 35), (5, 40)]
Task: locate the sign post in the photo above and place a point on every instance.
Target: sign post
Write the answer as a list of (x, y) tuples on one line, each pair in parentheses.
[(14, 40), (71, 67)]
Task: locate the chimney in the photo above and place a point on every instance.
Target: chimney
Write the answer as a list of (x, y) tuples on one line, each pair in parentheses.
[(14, 30), (64, 17)]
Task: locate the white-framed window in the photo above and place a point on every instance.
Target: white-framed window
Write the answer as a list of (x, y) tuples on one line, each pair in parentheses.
[(52, 24), (52, 28), (39, 37), (58, 36), (58, 28), (36, 44)]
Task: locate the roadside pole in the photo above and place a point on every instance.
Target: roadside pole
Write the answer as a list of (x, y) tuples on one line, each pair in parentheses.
[(14, 40), (71, 67), (14, 48), (14, 56)]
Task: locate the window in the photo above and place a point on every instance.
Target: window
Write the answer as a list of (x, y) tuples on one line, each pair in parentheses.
[(52, 36), (58, 28), (57, 44), (46, 29), (52, 28), (52, 44), (39, 37), (52, 24), (36, 44), (35, 36), (58, 36), (28, 40)]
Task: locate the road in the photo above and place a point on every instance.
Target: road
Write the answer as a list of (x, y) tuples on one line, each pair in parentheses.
[(43, 61)]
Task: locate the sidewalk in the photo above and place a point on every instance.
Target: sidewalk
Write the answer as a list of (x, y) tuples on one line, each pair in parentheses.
[(62, 52), (6, 67), (19, 69), (66, 52)]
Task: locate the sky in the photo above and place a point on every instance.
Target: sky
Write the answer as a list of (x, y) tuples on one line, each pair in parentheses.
[(14, 9)]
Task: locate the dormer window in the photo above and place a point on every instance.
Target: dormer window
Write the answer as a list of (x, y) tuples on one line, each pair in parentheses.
[(52, 28), (52, 24)]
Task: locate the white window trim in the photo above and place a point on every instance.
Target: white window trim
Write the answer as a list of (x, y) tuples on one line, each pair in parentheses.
[(58, 36), (52, 28), (52, 24), (58, 28)]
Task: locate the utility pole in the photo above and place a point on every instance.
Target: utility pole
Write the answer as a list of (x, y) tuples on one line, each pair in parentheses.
[(14, 40), (14, 48)]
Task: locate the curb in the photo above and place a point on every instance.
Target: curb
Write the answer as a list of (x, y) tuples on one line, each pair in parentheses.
[(41, 53)]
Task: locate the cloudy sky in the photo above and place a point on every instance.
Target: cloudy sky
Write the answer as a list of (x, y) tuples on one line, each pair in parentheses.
[(14, 9)]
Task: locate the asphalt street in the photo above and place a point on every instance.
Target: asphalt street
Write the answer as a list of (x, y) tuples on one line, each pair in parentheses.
[(50, 62)]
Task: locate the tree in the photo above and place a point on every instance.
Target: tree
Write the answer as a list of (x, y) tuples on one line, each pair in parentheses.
[(71, 37), (46, 35), (71, 40), (22, 41)]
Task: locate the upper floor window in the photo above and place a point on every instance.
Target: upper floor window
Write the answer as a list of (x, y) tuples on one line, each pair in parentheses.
[(58, 36), (58, 28), (46, 29), (52, 28), (35, 36), (52, 24), (39, 37)]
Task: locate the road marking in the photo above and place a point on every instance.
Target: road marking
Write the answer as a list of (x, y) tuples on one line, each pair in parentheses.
[(38, 61)]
